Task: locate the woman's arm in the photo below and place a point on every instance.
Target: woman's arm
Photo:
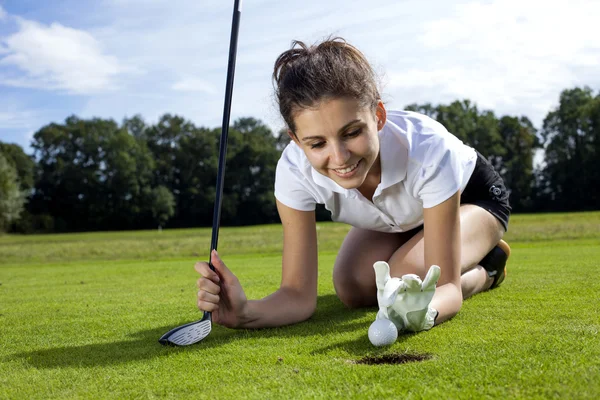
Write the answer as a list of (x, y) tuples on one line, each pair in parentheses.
[(296, 299), (221, 293), (442, 247)]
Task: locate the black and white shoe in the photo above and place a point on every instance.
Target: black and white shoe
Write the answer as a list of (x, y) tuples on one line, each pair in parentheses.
[(495, 263)]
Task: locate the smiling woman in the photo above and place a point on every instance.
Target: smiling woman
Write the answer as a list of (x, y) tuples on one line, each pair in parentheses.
[(346, 155), (418, 200)]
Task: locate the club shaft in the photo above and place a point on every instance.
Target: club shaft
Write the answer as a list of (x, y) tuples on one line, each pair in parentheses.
[(168, 338), (225, 127)]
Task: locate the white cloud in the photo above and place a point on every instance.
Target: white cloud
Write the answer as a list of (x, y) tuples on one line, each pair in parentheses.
[(194, 85), (58, 57), (507, 55), (16, 119), (517, 28), (17, 124), (3, 14)]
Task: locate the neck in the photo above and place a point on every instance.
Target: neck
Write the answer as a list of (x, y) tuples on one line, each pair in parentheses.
[(372, 180)]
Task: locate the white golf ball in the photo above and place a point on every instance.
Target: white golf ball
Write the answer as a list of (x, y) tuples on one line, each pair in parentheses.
[(383, 332)]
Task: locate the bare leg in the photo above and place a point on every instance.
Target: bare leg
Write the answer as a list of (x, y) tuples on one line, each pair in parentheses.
[(354, 278), (474, 281), (353, 274)]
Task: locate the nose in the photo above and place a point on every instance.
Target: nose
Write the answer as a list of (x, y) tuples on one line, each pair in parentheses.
[(340, 154)]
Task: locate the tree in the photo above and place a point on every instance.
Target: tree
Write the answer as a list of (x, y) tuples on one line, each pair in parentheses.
[(135, 126), (186, 164), (571, 137), (187, 158), (23, 164), (127, 175), (520, 142), (282, 139), (92, 175), (163, 205), (251, 162), (12, 198)]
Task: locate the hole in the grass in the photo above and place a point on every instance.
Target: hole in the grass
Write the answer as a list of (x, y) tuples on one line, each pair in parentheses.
[(393, 359)]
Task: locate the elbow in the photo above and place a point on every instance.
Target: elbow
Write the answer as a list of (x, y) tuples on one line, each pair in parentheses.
[(308, 308), (303, 303), (448, 302), (455, 295)]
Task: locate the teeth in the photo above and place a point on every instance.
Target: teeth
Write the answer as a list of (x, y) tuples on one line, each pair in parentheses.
[(346, 170)]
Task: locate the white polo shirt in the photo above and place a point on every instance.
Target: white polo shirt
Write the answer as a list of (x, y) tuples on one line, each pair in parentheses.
[(422, 165)]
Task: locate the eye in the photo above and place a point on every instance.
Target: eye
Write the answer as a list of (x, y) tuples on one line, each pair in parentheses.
[(354, 133), (317, 145)]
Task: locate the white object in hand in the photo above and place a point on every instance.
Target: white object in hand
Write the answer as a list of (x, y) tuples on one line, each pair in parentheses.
[(383, 332), (406, 301)]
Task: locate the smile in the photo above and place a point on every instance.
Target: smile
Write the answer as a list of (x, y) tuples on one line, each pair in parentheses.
[(344, 171)]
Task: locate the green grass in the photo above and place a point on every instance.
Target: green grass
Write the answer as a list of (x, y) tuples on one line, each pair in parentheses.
[(80, 315)]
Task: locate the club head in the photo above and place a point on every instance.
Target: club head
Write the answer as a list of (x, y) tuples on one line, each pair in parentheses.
[(187, 334)]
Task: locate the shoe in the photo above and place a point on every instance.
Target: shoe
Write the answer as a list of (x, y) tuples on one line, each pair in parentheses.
[(495, 263)]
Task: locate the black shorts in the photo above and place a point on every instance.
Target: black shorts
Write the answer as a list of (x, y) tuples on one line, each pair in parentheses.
[(486, 189)]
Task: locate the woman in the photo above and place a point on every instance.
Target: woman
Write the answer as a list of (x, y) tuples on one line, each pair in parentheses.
[(414, 194)]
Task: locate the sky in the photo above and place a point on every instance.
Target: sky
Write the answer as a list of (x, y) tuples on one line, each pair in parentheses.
[(118, 58)]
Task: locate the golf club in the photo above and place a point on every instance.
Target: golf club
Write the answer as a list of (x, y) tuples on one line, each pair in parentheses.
[(194, 332)]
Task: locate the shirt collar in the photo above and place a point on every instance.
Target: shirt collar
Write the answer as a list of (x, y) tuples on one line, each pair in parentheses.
[(393, 155)]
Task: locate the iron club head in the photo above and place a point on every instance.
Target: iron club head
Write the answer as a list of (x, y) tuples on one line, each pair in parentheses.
[(187, 334)]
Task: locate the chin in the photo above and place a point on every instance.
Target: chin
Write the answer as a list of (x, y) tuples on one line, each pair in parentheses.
[(348, 183)]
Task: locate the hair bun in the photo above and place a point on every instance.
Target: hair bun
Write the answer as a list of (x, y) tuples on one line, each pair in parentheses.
[(305, 75)]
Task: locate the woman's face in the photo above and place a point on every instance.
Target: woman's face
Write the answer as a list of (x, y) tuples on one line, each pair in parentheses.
[(340, 139)]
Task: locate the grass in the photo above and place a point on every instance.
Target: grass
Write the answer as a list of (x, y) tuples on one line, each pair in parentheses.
[(80, 315)]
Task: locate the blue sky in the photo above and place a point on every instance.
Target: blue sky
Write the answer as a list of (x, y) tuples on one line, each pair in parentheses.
[(118, 58)]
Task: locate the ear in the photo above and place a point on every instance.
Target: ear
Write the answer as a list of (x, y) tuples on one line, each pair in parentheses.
[(381, 115), (293, 136)]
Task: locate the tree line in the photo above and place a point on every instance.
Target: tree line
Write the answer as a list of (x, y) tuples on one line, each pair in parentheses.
[(94, 174)]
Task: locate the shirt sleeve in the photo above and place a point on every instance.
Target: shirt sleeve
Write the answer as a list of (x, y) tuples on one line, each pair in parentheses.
[(440, 178), (442, 168), (291, 187)]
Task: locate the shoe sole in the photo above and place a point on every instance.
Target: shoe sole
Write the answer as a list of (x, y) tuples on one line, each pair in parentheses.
[(506, 249)]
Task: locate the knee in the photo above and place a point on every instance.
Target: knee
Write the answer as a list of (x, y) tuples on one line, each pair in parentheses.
[(354, 292)]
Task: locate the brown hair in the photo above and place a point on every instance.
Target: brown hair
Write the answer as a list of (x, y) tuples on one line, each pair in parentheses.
[(304, 76)]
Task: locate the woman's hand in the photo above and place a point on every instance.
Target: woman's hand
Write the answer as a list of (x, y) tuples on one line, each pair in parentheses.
[(220, 292)]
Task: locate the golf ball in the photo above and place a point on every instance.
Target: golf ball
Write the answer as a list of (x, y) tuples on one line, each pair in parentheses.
[(383, 332)]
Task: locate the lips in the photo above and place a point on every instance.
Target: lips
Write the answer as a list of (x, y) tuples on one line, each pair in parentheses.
[(346, 171)]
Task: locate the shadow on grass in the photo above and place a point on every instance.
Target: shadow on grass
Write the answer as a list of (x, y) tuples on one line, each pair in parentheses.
[(363, 347), (331, 317), (100, 354)]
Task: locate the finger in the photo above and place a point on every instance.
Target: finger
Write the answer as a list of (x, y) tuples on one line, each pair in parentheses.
[(220, 267), (208, 286), (412, 282), (382, 274), (208, 297), (203, 269), (391, 291), (432, 277), (382, 313), (206, 306)]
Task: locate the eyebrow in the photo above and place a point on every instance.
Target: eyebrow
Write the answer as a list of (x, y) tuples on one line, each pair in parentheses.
[(342, 129)]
